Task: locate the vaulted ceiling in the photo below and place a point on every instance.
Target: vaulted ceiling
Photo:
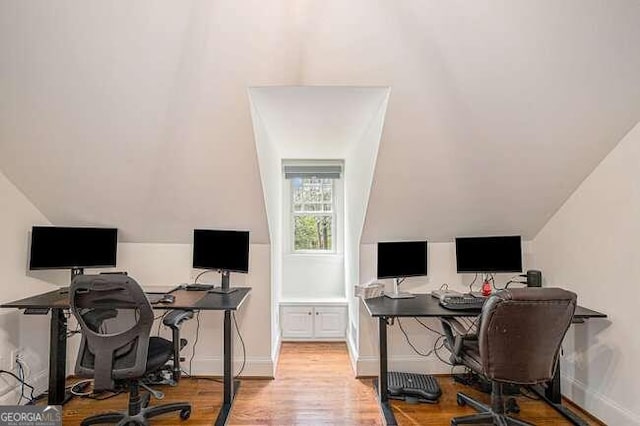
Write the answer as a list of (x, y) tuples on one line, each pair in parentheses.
[(136, 114)]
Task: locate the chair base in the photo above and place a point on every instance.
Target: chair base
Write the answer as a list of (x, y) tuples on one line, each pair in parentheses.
[(486, 416), (141, 413)]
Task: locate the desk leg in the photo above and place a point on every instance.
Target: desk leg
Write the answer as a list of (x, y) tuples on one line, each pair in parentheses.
[(552, 395), (383, 396), (230, 386), (57, 357)]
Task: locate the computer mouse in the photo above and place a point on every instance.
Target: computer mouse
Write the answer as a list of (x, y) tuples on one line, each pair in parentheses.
[(168, 298)]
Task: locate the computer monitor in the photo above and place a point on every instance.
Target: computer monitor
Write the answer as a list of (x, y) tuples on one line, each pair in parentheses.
[(75, 248), (489, 254), (401, 259), (226, 251)]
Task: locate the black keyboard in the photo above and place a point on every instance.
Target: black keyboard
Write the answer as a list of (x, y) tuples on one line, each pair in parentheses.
[(198, 287), (462, 302)]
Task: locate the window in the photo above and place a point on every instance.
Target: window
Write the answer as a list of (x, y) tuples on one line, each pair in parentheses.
[(312, 213), (313, 207)]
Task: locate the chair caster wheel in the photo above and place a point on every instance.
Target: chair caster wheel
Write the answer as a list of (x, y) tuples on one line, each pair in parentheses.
[(185, 414), (511, 406), (461, 402)]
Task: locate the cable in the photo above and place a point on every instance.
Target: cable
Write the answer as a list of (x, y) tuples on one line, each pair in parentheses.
[(77, 387), (201, 274), (427, 327), (21, 374), (160, 317), (193, 351), (18, 379), (473, 282), (406, 336), (244, 350)]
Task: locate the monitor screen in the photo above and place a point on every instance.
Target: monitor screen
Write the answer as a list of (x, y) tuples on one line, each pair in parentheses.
[(402, 259), (489, 254), (56, 247), (224, 250)]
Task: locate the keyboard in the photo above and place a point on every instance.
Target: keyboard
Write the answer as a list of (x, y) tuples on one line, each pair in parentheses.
[(462, 302), (198, 287)]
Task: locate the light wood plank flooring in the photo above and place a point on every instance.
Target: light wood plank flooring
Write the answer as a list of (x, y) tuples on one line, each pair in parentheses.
[(314, 385)]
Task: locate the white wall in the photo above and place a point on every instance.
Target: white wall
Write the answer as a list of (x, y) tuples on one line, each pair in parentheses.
[(30, 334), (358, 173), (269, 160), (310, 276), (590, 246), (442, 269)]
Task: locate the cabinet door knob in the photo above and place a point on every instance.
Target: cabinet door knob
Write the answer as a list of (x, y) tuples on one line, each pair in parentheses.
[(316, 313), (309, 313)]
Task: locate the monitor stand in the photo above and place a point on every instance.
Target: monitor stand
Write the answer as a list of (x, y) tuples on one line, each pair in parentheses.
[(225, 284), (398, 294)]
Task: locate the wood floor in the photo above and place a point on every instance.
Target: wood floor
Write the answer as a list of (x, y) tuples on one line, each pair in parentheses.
[(314, 385)]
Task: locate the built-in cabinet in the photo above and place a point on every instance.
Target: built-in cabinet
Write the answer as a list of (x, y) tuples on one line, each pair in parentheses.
[(313, 321)]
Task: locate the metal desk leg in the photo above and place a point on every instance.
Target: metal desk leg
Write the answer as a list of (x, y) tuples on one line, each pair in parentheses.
[(383, 396), (230, 385), (552, 395), (57, 357)]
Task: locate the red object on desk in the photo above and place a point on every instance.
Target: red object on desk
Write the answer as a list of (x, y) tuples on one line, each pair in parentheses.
[(486, 288)]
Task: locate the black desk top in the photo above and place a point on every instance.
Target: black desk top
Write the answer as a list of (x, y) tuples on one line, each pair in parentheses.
[(184, 300), (425, 305)]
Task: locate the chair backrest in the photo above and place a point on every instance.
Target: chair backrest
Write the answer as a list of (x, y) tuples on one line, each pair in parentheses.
[(117, 350), (521, 331)]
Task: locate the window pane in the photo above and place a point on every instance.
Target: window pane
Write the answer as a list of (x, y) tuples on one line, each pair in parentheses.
[(312, 232)]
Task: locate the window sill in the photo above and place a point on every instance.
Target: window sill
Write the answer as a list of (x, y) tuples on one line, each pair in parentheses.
[(314, 254)]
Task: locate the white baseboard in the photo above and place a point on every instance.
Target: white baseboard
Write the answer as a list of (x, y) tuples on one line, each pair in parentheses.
[(275, 355), (353, 353), (212, 366), (369, 365), (597, 404)]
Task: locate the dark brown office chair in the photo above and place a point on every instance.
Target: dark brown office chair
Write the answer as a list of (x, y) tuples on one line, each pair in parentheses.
[(115, 317), (518, 341)]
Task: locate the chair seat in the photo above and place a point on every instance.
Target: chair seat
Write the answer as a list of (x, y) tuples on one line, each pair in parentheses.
[(160, 351)]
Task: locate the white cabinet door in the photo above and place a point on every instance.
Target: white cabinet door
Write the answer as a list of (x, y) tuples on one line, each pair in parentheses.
[(297, 321), (329, 321)]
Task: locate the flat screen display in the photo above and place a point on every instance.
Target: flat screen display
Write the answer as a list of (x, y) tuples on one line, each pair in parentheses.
[(402, 259), (489, 254), (56, 247), (224, 250)]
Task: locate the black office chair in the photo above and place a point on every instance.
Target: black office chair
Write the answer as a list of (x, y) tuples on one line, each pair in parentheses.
[(518, 341), (124, 352)]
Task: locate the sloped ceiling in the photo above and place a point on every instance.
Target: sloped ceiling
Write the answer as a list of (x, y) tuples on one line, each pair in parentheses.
[(135, 114)]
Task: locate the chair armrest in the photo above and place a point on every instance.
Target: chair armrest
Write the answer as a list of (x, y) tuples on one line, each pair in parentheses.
[(176, 317), (455, 338)]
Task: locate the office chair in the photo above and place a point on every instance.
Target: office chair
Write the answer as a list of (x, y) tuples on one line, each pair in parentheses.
[(518, 341), (124, 352)]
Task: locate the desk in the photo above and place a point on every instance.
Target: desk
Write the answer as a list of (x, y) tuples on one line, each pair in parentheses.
[(58, 301), (425, 305)]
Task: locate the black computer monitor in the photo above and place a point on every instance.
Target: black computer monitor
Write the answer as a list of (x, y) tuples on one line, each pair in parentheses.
[(489, 254), (402, 259), (226, 251), (75, 248)]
